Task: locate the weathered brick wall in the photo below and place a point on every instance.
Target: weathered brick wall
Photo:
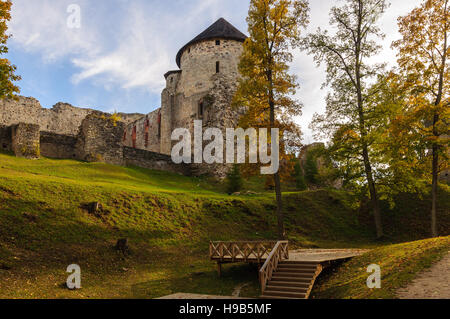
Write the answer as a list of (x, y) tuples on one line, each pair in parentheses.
[(152, 160), (25, 140), (58, 146), (100, 139)]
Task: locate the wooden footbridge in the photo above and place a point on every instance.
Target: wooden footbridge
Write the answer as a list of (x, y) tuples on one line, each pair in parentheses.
[(283, 274)]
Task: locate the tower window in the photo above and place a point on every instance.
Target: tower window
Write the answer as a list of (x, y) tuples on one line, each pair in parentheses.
[(217, 67), (217, 42), (201, 110)]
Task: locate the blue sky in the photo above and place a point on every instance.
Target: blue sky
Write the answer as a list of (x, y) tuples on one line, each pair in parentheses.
[(116, 60)]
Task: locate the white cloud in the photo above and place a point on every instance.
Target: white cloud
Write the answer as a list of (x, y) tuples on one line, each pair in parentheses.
[(136, 54), (41, 26)]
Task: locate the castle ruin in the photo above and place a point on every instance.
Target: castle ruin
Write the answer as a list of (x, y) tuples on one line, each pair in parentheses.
[(201, 89)]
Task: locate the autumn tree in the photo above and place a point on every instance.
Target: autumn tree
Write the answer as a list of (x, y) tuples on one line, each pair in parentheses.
[(7, 71), (348, 118), (423, 60), (266, 87)]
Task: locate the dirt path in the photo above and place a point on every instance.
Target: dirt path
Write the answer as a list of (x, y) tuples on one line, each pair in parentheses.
[(431, 284), (321, 255)]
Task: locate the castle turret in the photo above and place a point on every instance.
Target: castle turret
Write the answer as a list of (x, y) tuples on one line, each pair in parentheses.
[(216, 51)]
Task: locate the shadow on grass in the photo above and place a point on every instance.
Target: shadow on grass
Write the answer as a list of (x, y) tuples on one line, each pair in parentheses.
[(206, 283)]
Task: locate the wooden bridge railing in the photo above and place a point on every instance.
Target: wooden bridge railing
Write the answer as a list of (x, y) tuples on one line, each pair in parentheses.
[(246, 251), (280, 252)]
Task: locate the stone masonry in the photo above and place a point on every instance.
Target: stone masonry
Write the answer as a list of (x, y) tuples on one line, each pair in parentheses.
[(25, 140)]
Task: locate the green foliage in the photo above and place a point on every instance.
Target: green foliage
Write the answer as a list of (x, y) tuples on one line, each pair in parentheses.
[(311, 170), (234, 180), (299, 177), (7, 71)]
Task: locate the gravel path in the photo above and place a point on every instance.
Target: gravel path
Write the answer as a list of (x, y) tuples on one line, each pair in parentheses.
[(431, 284)]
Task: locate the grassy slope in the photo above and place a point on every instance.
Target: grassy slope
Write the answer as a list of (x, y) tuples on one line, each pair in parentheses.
[(399, 265), (169, 220)]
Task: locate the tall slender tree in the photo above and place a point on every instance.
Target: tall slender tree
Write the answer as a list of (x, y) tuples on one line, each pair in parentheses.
[(347, 54), (7, 71), (423, 60), (266, 87)]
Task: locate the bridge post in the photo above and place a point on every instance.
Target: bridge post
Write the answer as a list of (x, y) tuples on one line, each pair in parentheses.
[(219, 269)]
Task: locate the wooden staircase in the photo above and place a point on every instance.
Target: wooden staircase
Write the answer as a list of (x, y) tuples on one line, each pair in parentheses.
[(292, 280)]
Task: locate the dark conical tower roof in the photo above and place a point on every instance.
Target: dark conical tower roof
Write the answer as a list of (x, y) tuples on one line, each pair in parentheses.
[(221, 29)]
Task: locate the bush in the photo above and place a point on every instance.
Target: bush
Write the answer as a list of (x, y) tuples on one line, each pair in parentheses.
[(234, 180)]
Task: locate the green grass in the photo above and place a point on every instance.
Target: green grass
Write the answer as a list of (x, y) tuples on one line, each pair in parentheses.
[(169, 220), (399, 266)]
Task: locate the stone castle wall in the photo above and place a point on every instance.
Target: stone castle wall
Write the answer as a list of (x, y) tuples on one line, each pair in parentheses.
[(100, 140), (58, 146), (144, 133), (152, 160), (25, 140), (198, 64), (199, 92), (62, 118)]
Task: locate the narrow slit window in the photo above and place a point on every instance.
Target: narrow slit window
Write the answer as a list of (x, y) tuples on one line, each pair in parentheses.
[(217, 42), (217, 67), (200, 110)]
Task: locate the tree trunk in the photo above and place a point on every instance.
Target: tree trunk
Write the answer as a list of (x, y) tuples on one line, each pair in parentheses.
[(434, 188), (373, 194), (280, 215), (363, 129), (434, 191)]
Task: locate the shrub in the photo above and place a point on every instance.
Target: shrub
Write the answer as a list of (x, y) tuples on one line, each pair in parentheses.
[(300, 182), (234, 180)]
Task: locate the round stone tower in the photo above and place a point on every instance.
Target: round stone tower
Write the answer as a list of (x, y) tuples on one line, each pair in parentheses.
[(211, 57)]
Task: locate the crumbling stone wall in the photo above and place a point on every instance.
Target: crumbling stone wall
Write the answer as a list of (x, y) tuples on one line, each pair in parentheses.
[(100, 139), (25, 140), (219, 113), (152, 160), (62, 118), (58, 146), (144, 133)]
